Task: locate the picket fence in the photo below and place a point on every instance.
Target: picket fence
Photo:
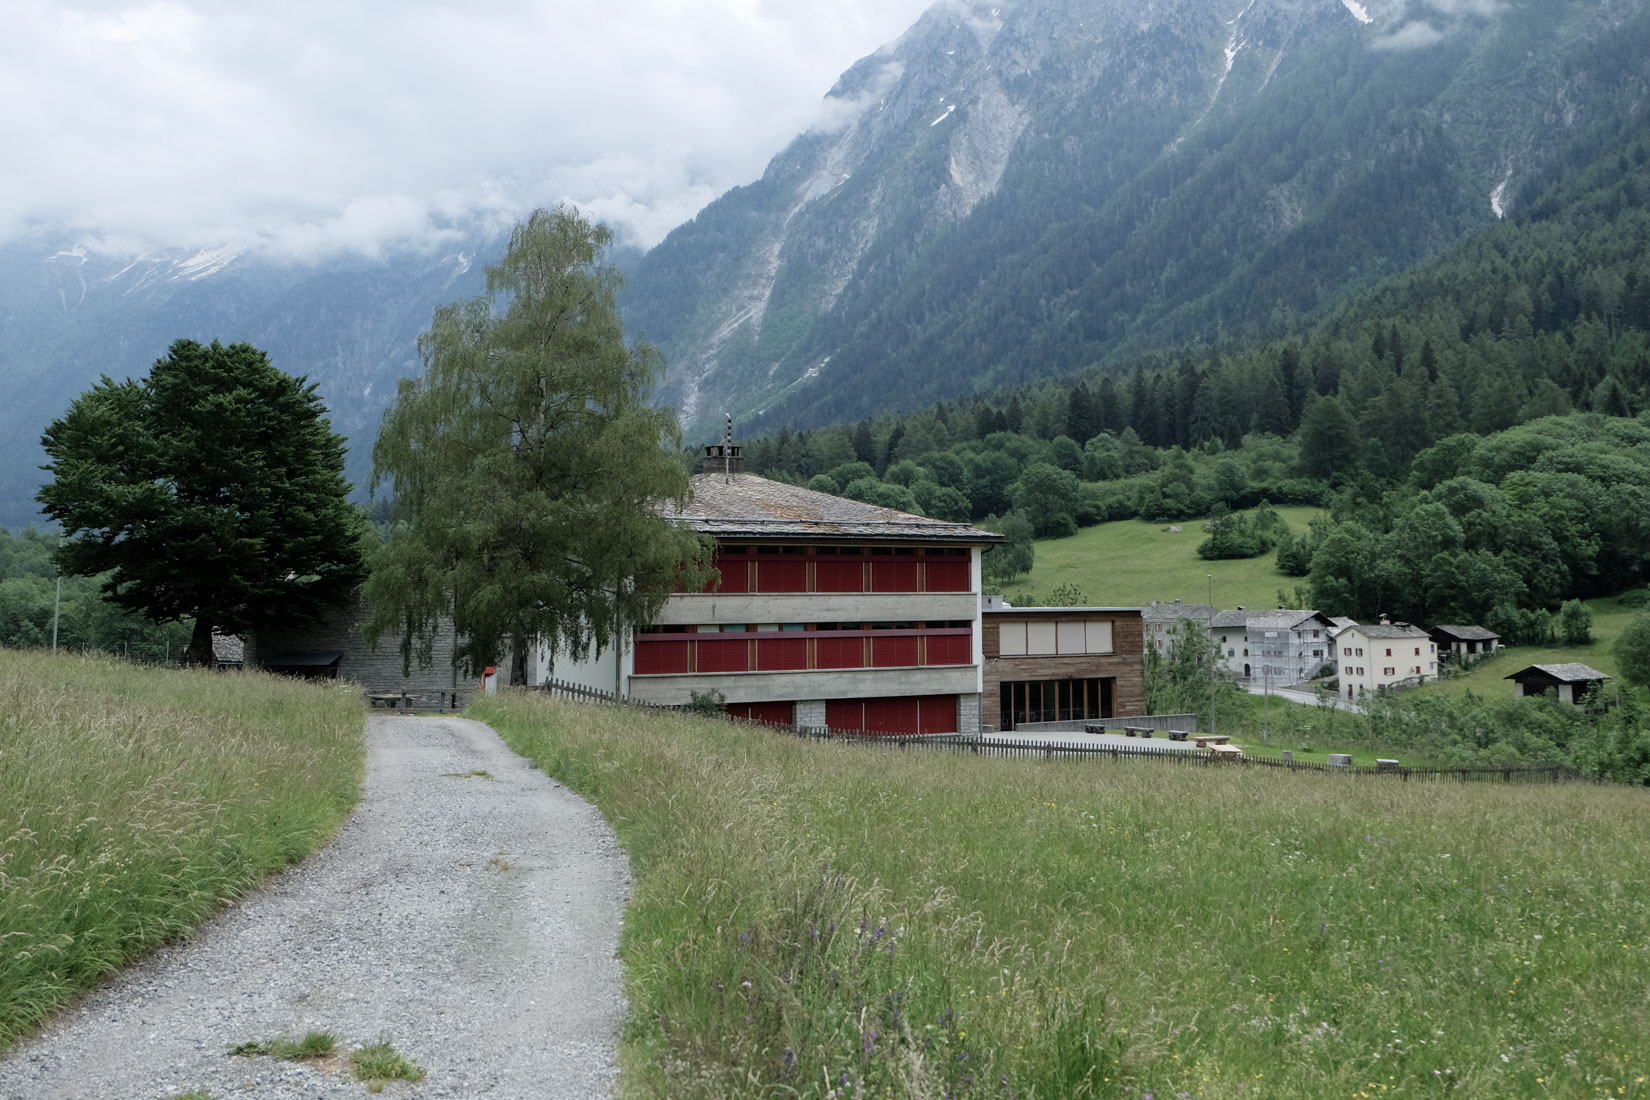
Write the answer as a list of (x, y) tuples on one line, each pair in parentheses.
[(1013, 749)]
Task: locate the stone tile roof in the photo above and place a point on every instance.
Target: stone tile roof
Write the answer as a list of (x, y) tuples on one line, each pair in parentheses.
[(745, 506), (1281, 619), (1467, 633), (1230, 620), (228, 649), (1391, 630), (1572, 672), (1343, 621), (1171, 613)]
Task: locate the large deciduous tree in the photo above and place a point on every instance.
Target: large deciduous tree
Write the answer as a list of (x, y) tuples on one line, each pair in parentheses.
[(528, 471), (213, 489)]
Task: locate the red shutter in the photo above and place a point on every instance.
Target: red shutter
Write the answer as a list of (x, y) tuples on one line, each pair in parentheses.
[(788, 575), (947, 576), (839, 576), (725, 654), (845, 714), (897, 652), (781, 653), (950, 649), (893, 576), (840, 652), (897, 715), (735, 575), (939, 714), (660, 658)]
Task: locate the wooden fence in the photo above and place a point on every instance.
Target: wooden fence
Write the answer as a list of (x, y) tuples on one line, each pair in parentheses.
[(1012, 749)]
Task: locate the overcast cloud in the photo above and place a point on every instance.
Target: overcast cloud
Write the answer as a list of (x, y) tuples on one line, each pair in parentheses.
[(307, 128)]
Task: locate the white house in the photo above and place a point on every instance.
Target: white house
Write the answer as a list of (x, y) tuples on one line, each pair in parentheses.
[(1283, 646), (1374, 658)]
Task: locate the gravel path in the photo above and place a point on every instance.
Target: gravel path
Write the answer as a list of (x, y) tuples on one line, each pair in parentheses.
[(469, 922)]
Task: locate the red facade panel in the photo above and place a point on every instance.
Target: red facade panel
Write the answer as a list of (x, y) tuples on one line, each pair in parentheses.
[(735, 575), (660, 658), (947, 576), (773, 654), (950, 649), (898, 652), (843, 575), (785, 575), (897, 715), (839, 652), (723, 654), (938, 714), (845, 714), (893, 576)]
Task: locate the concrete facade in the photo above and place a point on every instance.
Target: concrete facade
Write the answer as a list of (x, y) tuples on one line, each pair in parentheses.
[(1125, 665), (378, 672)]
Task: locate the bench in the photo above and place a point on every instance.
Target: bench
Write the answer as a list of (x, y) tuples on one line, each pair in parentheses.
[(1138, 731), (1204, 740), (386, 699), (1226, 752)]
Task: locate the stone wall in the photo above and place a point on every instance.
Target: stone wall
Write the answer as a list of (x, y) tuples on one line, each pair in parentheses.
[(377, 672)]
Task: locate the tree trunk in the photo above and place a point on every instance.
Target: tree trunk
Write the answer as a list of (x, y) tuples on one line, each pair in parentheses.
[(200, 645), (518, 661)]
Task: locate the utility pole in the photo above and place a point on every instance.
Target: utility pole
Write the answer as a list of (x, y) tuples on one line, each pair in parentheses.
[(57, 611), (1266, 709), (1214, 654)]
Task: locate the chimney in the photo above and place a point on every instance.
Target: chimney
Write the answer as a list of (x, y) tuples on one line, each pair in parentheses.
[(1385, 621), (727, 457)]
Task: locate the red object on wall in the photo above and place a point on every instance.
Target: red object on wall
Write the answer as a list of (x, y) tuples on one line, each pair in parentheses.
[(893, 576), (777, 714), (729, 653), (786, 575), (660, 658), (896, 652), (938, 714), (950, 649), (735, 575), (845, 714), (781, 653), (842, 575), (897, 715), (839, 652), (947, 576)]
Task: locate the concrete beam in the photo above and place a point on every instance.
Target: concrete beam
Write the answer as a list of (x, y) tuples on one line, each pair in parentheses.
[(856, 683), (819, 607)]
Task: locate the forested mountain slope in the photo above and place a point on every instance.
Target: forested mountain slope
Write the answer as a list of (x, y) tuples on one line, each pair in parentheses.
[(1022, 190)]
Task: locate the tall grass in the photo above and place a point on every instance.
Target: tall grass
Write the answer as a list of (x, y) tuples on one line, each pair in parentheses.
[(827, 920), (134, 802)]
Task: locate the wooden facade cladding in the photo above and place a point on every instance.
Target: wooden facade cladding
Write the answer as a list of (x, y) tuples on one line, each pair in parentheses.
[(1125, 665)]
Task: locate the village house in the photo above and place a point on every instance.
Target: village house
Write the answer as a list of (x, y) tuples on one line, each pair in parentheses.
[(1161, 620), (1568, 681), (1062, 664), (1282, 646), (828, 613), (1374, 659), (1465, 643)]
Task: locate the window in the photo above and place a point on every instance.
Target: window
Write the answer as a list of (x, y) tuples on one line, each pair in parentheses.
[(1231, 652), (1360, 672), (1389, 672), (1349, 670), (1417, 651), (1347, 652), (1318, 653), (1389, 651), (1040, 639), (1360, 652)]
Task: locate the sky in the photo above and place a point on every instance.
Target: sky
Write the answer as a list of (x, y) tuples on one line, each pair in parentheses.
[(310, 128)]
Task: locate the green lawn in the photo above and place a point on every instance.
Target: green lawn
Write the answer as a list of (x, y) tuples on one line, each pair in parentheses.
[(842, 921), (1131, 562), (1488, 678)]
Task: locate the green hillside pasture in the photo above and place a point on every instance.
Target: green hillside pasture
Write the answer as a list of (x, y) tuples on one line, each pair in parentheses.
[(1130, 563), (847, 921), (134, 802), (1489, 678)]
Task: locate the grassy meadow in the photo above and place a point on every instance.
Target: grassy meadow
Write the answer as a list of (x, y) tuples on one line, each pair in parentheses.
[(134, 802), (1129, 563), (842, 921)]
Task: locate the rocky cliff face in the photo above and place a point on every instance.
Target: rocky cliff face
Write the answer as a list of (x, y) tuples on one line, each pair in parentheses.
[(1020, 188)]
